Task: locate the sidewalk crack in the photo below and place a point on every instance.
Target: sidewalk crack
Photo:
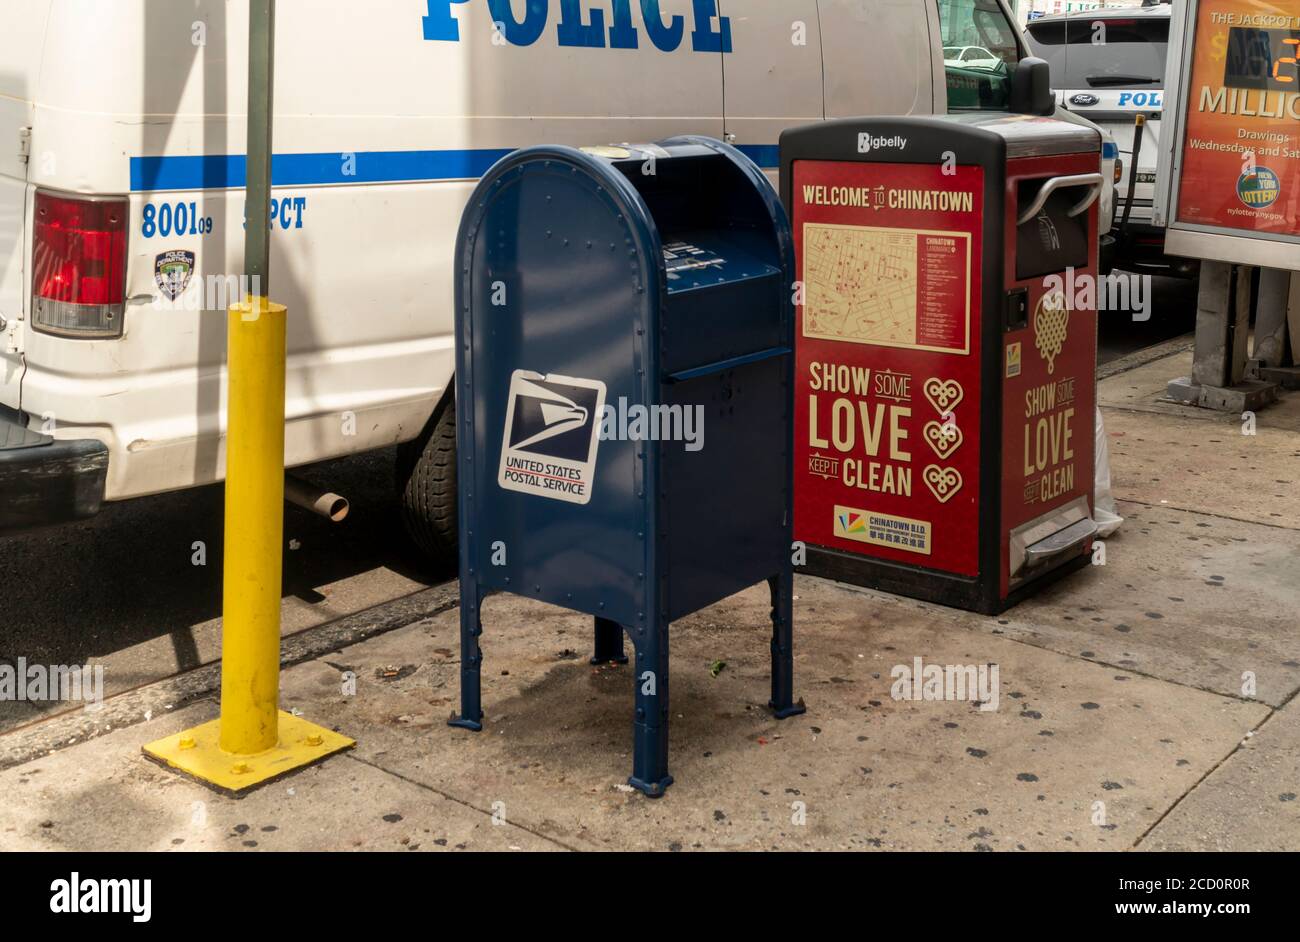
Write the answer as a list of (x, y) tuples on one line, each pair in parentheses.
[(1205, 513), (957, 618), (1241, 745), (460, 801)]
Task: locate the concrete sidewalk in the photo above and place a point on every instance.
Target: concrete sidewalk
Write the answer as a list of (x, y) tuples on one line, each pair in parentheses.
[(1121, 721)]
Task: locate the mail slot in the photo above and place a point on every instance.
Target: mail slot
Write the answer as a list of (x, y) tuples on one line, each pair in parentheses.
[(946, 352), (624, 360)]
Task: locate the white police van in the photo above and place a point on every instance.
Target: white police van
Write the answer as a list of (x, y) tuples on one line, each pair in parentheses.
[(122, 131), (1109, 66)]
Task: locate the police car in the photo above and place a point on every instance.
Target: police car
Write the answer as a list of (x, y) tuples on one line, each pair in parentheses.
[(1109, 66), (122, 205)]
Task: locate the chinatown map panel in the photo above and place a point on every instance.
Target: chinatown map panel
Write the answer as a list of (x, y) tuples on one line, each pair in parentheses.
[(887, 287)]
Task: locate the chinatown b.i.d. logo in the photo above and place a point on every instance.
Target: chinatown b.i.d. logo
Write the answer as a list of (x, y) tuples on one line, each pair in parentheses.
[(1051, 324)]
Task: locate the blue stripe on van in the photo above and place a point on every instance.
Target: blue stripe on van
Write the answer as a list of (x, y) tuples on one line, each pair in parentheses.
[(767, 156), (231, 171), (220, 172)]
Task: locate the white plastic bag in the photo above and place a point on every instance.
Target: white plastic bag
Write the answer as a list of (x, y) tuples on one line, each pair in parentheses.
[(1104, 509)]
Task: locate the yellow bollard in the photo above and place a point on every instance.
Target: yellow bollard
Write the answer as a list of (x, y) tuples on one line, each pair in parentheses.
[(250, 640), (252, 741)]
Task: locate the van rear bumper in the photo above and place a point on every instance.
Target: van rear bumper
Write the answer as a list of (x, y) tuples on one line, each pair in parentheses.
[(46, 481)]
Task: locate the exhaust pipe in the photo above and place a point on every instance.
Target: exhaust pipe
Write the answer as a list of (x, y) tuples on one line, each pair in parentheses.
[(308, 496)]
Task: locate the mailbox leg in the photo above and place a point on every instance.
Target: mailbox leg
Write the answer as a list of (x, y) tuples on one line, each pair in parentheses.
[(650, 730), (782, 703), (471, 660), (609, 643)]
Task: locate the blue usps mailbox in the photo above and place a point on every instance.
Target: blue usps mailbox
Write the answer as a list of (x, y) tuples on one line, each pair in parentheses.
[(624, 328)]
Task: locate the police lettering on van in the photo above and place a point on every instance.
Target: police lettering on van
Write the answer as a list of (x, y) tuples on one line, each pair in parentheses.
[(1138, 100), (441, 24)]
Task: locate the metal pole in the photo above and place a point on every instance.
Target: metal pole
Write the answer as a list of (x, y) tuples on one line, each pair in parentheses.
[(253, 741), (1139, 132), (250, 646), (261, 95)]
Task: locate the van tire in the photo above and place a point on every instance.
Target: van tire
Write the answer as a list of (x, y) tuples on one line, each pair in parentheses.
[(426, 486)]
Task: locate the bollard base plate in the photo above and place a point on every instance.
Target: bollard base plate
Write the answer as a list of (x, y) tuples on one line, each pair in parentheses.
[(201, 758)]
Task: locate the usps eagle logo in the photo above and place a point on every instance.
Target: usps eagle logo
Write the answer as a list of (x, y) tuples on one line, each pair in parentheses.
[(552, 434), (172, 271)]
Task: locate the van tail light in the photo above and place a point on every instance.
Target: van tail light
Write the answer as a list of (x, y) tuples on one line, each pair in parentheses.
[(79, 266)]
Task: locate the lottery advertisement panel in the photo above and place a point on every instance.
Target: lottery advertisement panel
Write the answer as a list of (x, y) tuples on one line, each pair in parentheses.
[(1240, 149)]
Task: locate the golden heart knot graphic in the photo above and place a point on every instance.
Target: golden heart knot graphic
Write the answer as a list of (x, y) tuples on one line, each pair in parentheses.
[(944, 438), (943, 482), (944, 394), (1051, 326)]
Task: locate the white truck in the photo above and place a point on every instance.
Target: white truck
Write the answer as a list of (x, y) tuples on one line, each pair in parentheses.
[(122, 131), (1109, 67)]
